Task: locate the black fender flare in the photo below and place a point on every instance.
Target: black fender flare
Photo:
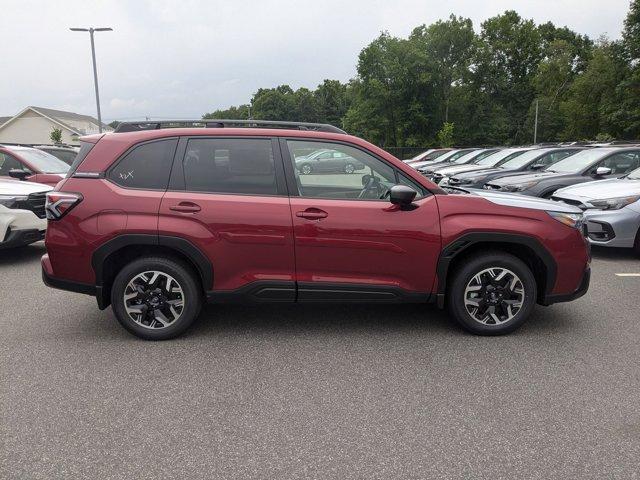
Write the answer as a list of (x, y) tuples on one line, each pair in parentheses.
[(462, 243), (179, 244)]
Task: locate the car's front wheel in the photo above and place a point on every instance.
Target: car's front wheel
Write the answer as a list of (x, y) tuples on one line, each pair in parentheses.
[(156, 298), (492, 293), (349, 168)]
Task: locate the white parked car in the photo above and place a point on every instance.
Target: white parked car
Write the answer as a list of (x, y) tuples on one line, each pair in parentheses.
[(22, 215)]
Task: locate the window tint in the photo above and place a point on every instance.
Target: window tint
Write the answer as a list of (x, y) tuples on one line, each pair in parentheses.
[(146, 166), (7, 162), (353, 174), (622, 163), (66, 156), (230, 165), (85, 148)]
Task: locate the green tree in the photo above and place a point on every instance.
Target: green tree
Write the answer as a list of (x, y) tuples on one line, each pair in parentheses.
[(447, 49), (240, 112), (56, 135), (445, 135)]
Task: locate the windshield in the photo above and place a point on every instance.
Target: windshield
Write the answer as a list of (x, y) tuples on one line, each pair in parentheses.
[(43, 162), (635, 175), (497, 157), (450, 156), (577, 162), (473, 155), (522, 159)]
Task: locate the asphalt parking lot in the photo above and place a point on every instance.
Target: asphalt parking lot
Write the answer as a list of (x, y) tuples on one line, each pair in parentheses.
[(319, 391)]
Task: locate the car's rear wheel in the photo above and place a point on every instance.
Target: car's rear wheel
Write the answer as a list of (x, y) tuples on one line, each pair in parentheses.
[(349, 168), (492, 294), (156, 298), (636, 244), (305, 169)]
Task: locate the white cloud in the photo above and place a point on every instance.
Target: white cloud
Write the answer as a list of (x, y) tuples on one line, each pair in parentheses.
[(181, 58)]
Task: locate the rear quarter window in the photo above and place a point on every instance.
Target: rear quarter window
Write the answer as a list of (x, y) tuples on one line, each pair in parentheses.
[(85, 148), (146, 166)]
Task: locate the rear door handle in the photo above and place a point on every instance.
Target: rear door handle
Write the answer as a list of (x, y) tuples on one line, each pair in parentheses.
[(312, 214), (186, 207)]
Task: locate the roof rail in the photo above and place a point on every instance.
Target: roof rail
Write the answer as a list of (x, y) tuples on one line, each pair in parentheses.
[(224, 123)]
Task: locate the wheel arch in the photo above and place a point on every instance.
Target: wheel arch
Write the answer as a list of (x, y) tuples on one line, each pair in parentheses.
[(110, 257), (526, 248)]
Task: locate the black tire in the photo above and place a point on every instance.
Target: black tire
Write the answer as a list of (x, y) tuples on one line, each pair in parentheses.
[(305, 169), (464, 274), (349, 168), (181, 273), (636, 244)]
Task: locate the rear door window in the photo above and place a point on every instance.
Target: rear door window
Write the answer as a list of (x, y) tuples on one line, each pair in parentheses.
[(147, 166), (230, 165)]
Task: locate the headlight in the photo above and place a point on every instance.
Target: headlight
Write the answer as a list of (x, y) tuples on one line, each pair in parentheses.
[(614, 203), (10, 201), (574, 220), (519, 187)]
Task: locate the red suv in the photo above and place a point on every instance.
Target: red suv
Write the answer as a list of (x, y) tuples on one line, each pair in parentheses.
[(155, 221)]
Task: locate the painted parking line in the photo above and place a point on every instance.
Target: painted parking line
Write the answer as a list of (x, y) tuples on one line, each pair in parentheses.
[(628, 274)]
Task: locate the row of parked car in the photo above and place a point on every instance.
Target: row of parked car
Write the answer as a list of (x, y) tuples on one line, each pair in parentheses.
[(602, 180), (27, 173)]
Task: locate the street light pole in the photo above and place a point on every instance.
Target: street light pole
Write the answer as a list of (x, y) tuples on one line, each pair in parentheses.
[(95, 70)]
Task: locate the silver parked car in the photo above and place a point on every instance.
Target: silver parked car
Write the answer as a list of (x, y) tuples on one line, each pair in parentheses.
[(611, 209)]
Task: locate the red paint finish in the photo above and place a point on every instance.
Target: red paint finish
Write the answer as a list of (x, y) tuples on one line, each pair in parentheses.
[(51, 179), (367, 242), (461, 214), (248, 238)]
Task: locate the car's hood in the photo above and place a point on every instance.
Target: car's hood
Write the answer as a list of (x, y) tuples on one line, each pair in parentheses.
[(454, 169), (472, 175), (430, 163), (525, 201), (601, 189), (531, 177), (18, 187)]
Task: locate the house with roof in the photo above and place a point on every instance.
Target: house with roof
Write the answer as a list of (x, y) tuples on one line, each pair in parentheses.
[(33, 125)]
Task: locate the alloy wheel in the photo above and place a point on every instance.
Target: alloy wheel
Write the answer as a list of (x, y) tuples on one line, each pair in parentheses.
[(349, 168), (306, 169), (154, 299), (494, 296)]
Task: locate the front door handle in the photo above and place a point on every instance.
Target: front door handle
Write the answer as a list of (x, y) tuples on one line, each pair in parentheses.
[(185, 207), (312, 214)]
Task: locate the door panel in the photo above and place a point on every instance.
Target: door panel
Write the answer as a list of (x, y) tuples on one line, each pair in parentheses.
[(247, 238), (367, 243)]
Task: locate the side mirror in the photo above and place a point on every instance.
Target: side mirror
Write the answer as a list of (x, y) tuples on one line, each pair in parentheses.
[(538, 166), (19, 174), (602, 171), (402, 195)]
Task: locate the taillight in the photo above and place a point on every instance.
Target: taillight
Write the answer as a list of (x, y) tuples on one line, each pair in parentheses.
[(58, 204)]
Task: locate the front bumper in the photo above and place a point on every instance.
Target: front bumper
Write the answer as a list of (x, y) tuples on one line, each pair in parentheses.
[(20, 227), (582, 289), (612, 228), (20, 238)]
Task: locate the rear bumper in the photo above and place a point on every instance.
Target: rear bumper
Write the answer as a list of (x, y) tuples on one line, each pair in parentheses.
[(62, 284), (582, 289)]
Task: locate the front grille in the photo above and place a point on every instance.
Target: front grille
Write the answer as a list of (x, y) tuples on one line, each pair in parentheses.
[(35, 202), (488, 186)]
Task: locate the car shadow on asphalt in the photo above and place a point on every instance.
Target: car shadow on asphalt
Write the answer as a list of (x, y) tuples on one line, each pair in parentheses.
[(610, 253), (20, 255)]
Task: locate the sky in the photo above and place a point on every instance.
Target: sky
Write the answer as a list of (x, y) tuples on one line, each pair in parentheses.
[(178, 59)]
